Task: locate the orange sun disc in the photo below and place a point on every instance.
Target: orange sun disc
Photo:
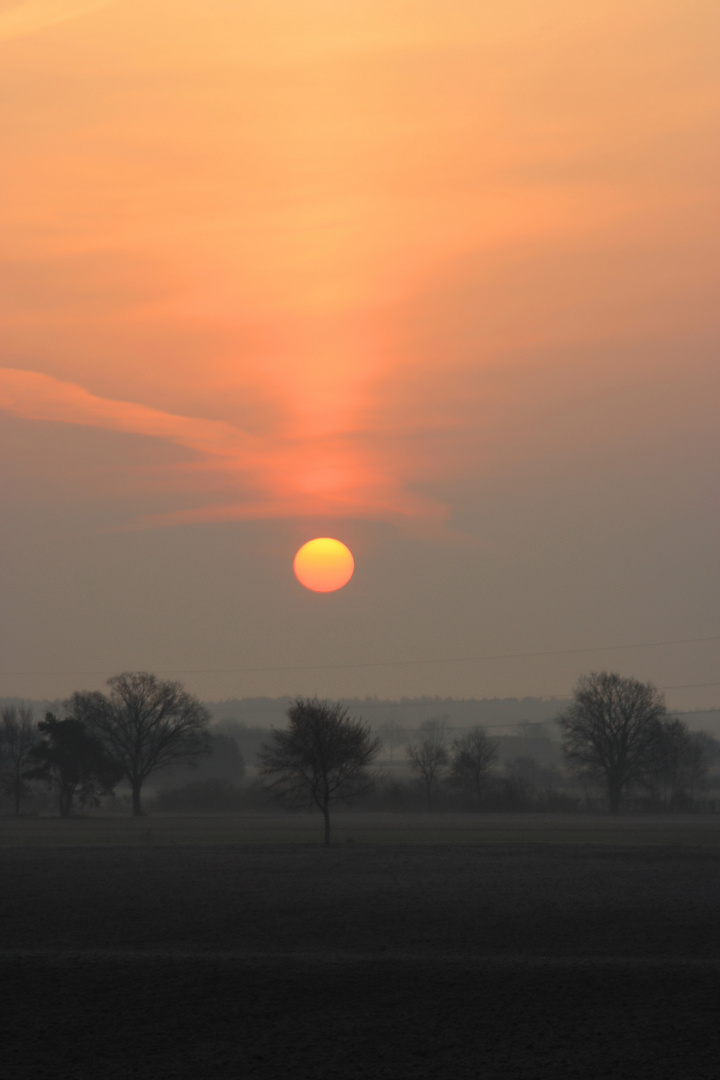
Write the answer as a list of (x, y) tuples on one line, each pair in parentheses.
[(324, 564)]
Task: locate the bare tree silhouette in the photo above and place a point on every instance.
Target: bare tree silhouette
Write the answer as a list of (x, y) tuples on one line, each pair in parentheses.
[(612, 731), (146, 724), (322, 757), (18, 735), (429, 757), (474, 755)]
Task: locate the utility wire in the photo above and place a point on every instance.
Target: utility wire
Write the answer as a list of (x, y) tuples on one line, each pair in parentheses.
[(401, 663)]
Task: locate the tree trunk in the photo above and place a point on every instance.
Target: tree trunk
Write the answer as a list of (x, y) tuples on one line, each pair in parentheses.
[(326, 815), (17, 796), (137, 807), (614, 797)]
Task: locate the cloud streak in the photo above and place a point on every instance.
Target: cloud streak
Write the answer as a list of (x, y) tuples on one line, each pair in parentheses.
[(279, 477), (38, 15), (345, 260)]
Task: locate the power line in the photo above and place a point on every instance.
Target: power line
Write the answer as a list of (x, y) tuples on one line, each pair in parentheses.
[(401, 663)]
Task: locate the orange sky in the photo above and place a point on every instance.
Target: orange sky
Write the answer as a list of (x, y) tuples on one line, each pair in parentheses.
[(343, 262)]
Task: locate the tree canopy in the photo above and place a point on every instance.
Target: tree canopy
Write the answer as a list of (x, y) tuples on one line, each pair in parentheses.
[(18, 736), (680, 765), (321, 757), (474, 755), (72, 760), (146, 724), (429, 757), (612, 731)]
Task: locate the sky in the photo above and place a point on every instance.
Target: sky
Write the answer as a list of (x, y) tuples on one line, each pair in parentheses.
[(438, 279)]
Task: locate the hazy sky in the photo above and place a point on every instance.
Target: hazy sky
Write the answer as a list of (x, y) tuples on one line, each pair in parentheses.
[(438, 278)]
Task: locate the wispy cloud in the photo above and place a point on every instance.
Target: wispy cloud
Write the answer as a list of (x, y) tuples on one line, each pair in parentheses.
[(344, 261), (37, 15), (276, 477)]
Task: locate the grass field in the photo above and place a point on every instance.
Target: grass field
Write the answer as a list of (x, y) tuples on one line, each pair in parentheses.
[(164, 955), (285, 828)]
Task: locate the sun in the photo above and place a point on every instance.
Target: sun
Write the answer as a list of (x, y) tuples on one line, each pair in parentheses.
[(324, 564)]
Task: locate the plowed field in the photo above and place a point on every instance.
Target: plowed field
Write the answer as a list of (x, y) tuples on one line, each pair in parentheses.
[(372, 961)]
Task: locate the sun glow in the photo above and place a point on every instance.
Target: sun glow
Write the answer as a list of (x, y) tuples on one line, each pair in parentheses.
[(311, 243), (324, 564)]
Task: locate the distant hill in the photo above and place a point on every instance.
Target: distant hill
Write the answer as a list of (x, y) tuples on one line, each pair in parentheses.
[(407, 713)]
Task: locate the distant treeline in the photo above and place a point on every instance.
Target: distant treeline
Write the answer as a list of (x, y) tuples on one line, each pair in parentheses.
[(528, 771), (407, 712)]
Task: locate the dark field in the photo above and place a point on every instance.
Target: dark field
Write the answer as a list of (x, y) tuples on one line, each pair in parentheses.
[(364, 960), (679, 829)]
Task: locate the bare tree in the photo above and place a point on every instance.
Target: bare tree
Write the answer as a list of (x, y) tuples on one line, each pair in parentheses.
[(474, 755), (679, 765), (146, 724), (391, 732), (612, 730), (429, 757), (18, 735), (323, 756)]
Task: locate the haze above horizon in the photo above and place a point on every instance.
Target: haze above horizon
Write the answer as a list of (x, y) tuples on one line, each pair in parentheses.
[(438, 280)]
